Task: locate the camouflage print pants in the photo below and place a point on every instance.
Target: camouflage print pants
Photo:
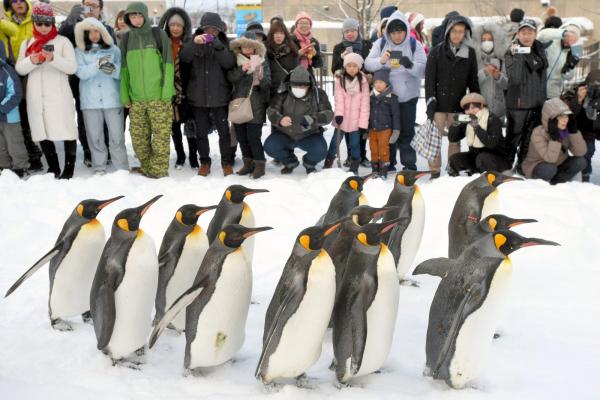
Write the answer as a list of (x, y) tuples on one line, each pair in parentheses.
[(150, 129)]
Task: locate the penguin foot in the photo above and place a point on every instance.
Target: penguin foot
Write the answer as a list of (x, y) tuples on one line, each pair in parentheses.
[(193, 372), (141, 351), (497, 335), (333, 365), (126, 363), (87, 318), (61, 325), (409, 282), (303, 382), (173, 328)]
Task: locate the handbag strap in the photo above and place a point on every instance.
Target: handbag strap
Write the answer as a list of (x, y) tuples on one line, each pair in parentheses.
[(281, 66)]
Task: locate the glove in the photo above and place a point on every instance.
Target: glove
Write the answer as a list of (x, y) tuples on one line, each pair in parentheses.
[(553, 130), (431, 108), (108, 68), (339, 119), (217, 44), (306, 121), (405, 62), (103, 60), (395, 136), (570, 63), (75, 15), (474, 122), (572, 125), (363, 133)]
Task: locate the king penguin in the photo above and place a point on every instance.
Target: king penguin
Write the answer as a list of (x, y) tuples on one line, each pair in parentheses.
[(217, 303), (478, 199), (124, 288), (181, 252), (364, 315), (404, 240), (73, 261), (349, 195), (300, 309), (232, 209), (466, 305)]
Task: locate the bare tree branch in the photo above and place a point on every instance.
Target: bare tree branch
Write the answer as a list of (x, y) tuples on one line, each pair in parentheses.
[(316, 10)]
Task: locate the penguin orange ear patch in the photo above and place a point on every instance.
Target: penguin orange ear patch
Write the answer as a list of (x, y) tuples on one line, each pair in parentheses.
[(80, 210), (222, 236), (353, 184), (123, 224), (179, 217), (493, 223), (499, 240), (305, 241), (491, 178), (362, 237), (228, 195), (401, 180)]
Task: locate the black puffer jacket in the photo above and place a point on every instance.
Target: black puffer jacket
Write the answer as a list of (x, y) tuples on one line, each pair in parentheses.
[(337, 62), (281, 62), (491, 137), (204, 72), (385, 111), (448, 76), (526, 75), (589, 128)]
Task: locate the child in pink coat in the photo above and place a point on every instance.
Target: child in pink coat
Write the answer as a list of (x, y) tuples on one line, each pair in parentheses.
[(351, 109)]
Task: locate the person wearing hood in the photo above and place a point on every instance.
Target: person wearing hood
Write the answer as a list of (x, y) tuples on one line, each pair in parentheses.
[(178, 26), (47, 60), (526, 92), (147, 89), (560, 45), (557, 149), (309, 48), (439, 33), (258, 30), (405, 58), (584, 102), (384, 14), (417, 30), (99, 68), (251, 77), (451, 71), (298, 114), (204, 65)]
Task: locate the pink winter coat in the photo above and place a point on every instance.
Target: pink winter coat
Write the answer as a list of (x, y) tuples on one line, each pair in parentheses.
[(354, 109), (414, 35)]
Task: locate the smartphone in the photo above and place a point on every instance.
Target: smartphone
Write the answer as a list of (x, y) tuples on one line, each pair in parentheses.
[(208, 38), (395, 56), (254, 61), (349, 49), (464, 118), (48, 47), (523, 50), (86, 9)]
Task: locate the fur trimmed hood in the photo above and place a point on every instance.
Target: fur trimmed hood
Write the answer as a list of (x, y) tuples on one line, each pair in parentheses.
[(89, 24), (237, 44), (187, 29), (499, 40)]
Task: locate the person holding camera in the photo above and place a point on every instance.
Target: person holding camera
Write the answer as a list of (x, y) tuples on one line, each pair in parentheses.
[(562, 53), (526, 66), (584, 102), (557, 149), (48, 60), (309, 49)]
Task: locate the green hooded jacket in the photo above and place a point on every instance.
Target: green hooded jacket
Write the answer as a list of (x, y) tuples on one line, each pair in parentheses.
[(146, 75)]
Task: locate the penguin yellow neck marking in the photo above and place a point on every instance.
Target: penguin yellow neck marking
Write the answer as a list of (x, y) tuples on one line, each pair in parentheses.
[(222, 235), (196, 231), (362, 200), (93, 222), (140, 233)]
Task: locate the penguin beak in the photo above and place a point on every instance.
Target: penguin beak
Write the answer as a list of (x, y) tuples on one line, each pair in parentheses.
[(202, 210), (530, 242), (254, 231), (500, 179), (421, 174), (331, 228), (146, 206), (380, 212), (104, 203), (254, 191), (367, 177), (517, 222), (388, 226)]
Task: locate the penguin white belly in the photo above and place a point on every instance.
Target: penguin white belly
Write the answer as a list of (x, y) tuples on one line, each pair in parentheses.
[(134, 299), (473, 343), (194, 249), (247, 220), (73, 279), (491, 204), (411, 240), (220, 331), (381, 315), (301, 340)]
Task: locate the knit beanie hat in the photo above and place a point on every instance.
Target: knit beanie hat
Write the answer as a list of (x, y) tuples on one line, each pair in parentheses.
[(176, 19), (350, 25), (42, 13), (354, 58), (303, 15), (415, 19), (396, 25), (472, 98), (300, 76), (386, 12), (382, 74), (517, 15), (212, 19)]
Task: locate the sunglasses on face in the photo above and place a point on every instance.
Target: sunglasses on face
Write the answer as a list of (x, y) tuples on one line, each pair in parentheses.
[(18, 1), (46, 24), (472, 105)]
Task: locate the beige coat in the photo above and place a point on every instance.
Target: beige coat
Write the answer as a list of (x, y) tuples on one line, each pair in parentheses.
[(543, 149), (50, 104)]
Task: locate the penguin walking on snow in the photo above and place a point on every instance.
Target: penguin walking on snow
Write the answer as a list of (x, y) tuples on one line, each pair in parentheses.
[(349, 195), (181, 252), (478, 199), (465, 309), (364, 315), (217, 303), (300, 309), (73, 261), (124, 288), (233, 210), (404, 240)]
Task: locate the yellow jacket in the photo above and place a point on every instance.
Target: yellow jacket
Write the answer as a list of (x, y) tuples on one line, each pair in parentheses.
[(22, 31)]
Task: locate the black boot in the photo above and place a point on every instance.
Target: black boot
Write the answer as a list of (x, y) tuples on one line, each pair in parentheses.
[(193, 151), (259, 169), (51, 157), (354, 166), (383, 170), (70, 156), (375, 168), (246, 168)]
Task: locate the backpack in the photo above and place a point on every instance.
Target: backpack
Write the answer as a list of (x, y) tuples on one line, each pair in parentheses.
[(413, 44), (156, 33)]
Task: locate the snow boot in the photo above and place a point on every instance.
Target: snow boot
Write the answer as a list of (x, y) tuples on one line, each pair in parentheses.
[(70, 156), (354, 166), (289, 168), (328, 163), (193, 152), (51, 157), (383, 171), (259, 169), (204, 169), (246, 168)]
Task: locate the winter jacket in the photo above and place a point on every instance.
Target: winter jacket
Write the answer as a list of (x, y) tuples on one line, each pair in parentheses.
[(24, 31), (317, 60), (556, 55), (11, 94), (354, 109), (242, 81), (97, 90), (50, 103), (204, 72), (526, 75), (415, 35), (405, 82), (146, 75), (281, 63), (543, 149), (7, 30), (589, 128), (385, 111), (449, 75), (491, 137), (337, 62)]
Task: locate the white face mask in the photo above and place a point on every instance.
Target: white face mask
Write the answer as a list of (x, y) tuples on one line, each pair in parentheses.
[(487, 46), (299, 92)]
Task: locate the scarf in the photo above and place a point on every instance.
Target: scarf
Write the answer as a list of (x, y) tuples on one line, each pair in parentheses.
[(306, 59), (40, 40), (472, 139), (380, 95), (257, 72), (352, 86), (357, 45), (280, 50)]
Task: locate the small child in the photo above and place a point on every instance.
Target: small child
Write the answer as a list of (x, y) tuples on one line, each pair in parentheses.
[(384, 122), (13, 154), (351, 109)]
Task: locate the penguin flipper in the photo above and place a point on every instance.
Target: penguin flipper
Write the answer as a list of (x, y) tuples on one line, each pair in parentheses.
[(105, 313), (321, 220), (435, 267), (40, 263), (181, 303)]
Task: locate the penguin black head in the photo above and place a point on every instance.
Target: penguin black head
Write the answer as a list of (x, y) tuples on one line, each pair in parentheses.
[(234, 235), (129, 219), (312, 238), (362, 215), (188, 214), (496, 179), (409, 177), (370, 234), (237, 193), (89, 209), (499, 222), (508, 242)]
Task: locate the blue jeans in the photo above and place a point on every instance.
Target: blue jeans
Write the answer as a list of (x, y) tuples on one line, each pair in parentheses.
[(591, 149), (559, 173), (354, 144), (281, 147), (408, 155)]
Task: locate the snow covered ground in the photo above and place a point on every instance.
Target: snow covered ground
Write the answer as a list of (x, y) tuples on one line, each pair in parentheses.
[(548, 349)]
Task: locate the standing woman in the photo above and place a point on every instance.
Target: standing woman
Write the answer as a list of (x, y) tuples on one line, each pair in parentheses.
[(48, 59), (309, 48), (178, 26), (417, 30), (282, 53), (120, 26)]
